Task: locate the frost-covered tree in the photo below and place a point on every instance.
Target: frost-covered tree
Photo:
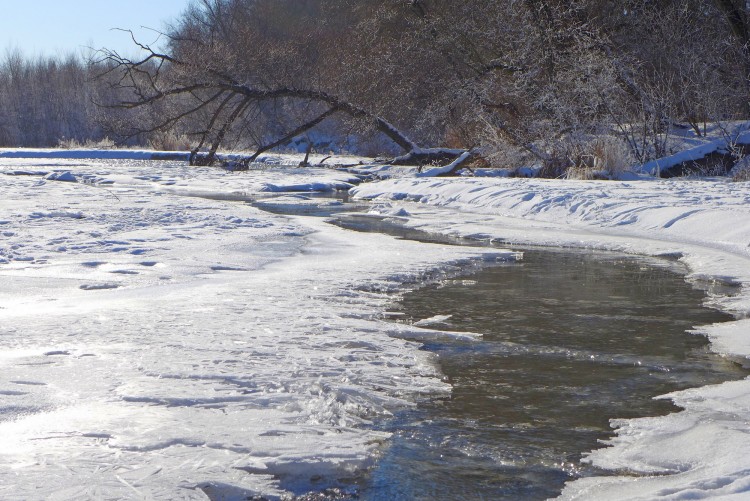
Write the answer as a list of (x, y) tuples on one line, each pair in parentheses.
[(250, 69), (48, 100), (525, 80)]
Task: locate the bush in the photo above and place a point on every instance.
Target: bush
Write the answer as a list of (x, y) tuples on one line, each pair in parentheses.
[(169, 141), (603, 157), (741, 170)]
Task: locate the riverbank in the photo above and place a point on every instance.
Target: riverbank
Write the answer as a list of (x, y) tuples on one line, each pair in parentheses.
[(699, 452)]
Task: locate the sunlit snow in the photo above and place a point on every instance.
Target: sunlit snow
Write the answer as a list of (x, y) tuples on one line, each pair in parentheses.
[(157, 345), (163, 339)]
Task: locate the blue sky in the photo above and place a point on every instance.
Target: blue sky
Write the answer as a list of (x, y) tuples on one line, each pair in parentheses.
[(54, 27)]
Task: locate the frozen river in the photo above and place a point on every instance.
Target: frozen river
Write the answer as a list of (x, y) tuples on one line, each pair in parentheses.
[(159, 340), (159, 344)]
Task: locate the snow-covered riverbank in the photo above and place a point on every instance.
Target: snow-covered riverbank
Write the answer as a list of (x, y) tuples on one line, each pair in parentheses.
[(163, 346), (697, 453)]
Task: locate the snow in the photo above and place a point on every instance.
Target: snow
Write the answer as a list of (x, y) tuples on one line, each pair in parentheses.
[(161, 339), (697, 454), (61, 176), (700, 452), (718, 140), (87, 153), (446, 169), (140, 154), (159, 344)]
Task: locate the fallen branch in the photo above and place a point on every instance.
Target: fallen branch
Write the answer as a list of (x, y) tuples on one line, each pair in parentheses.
[(450, 169), (423, 156)]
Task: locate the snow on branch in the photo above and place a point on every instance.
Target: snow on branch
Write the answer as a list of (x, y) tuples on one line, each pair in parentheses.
[(451, 168)]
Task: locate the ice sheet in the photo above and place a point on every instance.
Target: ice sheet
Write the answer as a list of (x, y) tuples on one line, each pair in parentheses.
[(155, 345)]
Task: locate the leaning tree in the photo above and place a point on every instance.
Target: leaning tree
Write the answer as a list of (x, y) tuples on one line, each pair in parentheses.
[(477, 78), (253, 68), (470, 76)]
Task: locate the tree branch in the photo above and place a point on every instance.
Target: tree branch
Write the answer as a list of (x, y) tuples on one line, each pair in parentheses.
[(291, 135)]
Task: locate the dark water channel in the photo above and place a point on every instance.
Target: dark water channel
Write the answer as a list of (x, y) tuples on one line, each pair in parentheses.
[(570, 339)]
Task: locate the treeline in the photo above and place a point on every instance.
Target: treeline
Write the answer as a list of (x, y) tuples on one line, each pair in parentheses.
[(54, 101), (511, 81), (45, 100)]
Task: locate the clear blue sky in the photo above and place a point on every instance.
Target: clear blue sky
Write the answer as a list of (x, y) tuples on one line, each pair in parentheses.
[(56, 27)]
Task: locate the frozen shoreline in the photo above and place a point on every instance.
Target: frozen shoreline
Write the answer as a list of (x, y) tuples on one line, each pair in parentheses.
[(701, 451)]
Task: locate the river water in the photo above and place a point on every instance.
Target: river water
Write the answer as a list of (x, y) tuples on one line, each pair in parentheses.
[(570, 341)]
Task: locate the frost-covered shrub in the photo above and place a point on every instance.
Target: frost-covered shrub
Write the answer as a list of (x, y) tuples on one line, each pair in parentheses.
[(556, 164), (600, 157), (611, 155), (741, 170), (742, 176), (169, 141)]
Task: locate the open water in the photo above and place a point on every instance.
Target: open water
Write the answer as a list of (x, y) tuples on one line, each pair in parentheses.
[(570, 341)]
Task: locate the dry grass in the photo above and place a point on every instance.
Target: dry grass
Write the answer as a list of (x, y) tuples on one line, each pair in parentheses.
[(73, 144), (604, 157), (169, 141), (741, 171), (741, 176)]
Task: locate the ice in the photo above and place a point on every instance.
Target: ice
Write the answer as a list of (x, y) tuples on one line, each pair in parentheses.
[(164, 345), (242, 353), (437, 319)]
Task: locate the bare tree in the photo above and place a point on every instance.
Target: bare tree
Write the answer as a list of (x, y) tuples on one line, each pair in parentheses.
[(45, 100), (227, 63), (508, 78)]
